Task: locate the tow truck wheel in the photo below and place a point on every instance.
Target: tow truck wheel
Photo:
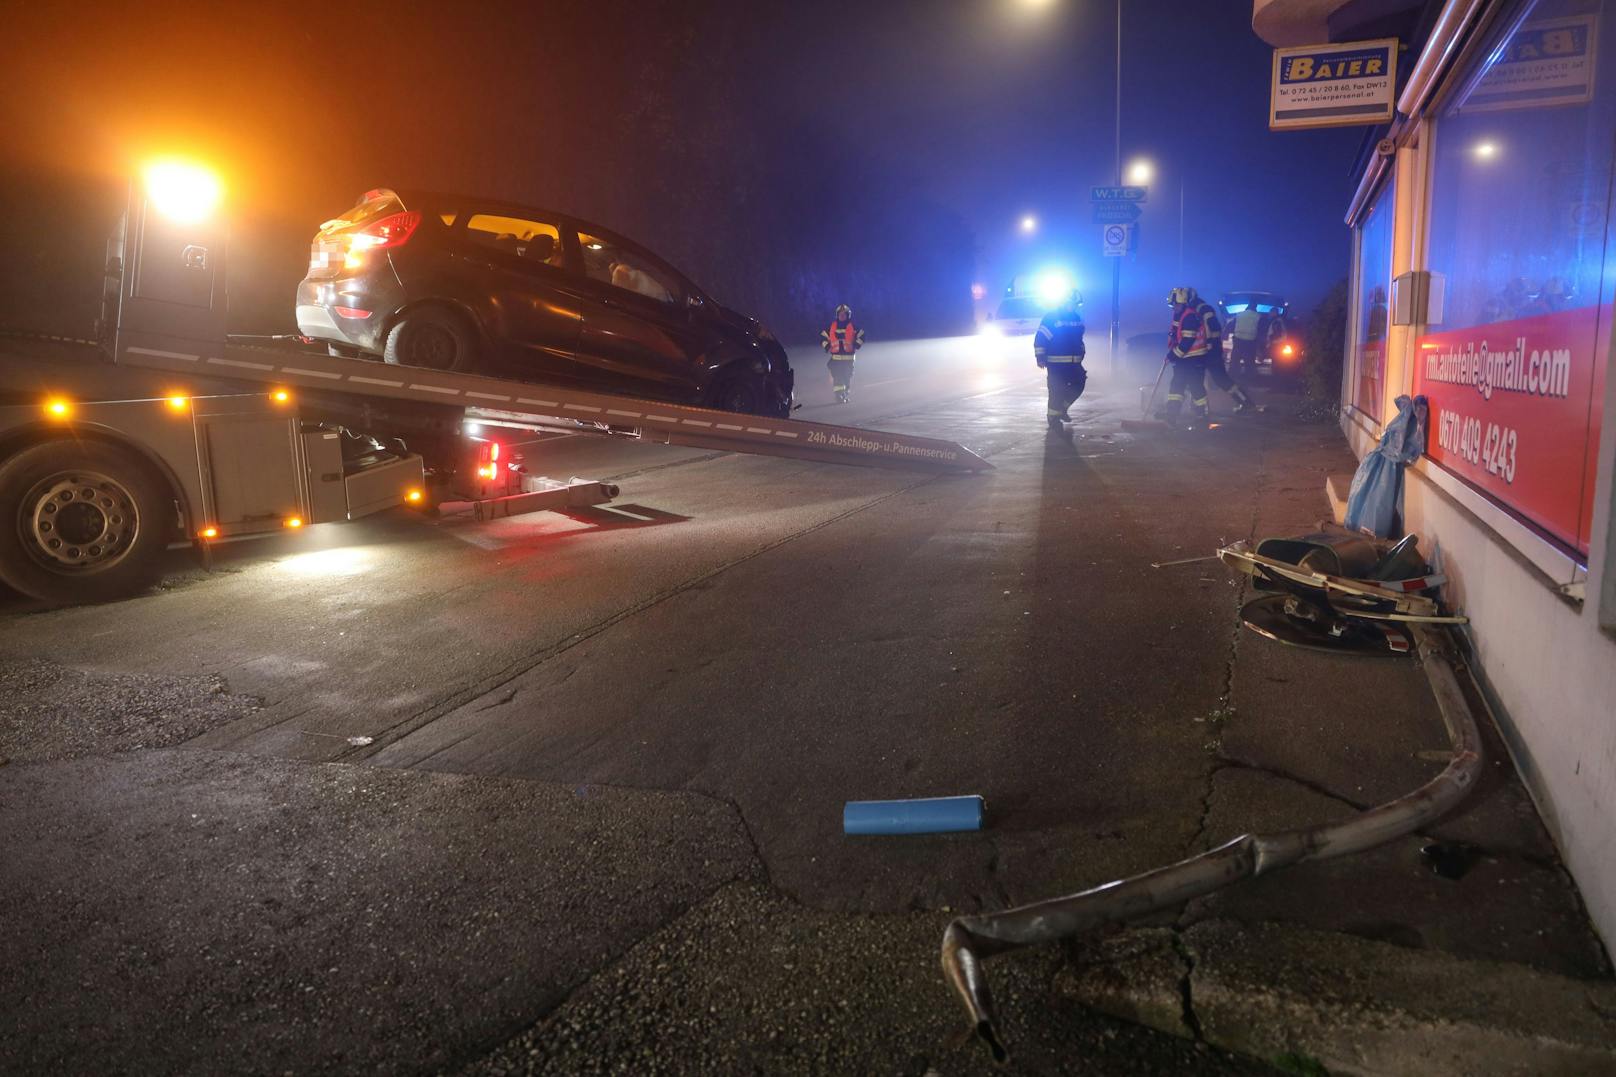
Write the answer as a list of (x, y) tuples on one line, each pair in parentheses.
[(80, 522), (432, 337)]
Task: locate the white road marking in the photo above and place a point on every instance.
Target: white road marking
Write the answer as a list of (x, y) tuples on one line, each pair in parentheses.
[(629, 414), (239, 362), (164, 355), (696, 422), (436, 389), (311, 373), (375, 381), (581, 407), (486, 396)]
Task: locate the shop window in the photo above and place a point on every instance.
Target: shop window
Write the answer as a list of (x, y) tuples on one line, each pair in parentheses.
[(1370, 318), (1520, 204)]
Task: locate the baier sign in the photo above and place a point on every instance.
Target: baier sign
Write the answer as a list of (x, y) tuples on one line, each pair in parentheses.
[(1333, 85), (1515, 413)]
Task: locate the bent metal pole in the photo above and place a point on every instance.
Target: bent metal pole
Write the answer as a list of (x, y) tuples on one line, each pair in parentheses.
[(971, 939)]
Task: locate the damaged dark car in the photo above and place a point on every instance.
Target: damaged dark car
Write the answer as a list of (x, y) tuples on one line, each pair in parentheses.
[(458, 283)]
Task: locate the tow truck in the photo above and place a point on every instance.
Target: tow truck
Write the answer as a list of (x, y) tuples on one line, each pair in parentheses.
[(163, 428)]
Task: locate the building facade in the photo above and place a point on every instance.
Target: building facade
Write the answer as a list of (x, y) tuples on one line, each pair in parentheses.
[(1483, 277)]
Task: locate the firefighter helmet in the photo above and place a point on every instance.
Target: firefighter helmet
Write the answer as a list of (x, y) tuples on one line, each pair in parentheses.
[(1182, 296), (843, 312)]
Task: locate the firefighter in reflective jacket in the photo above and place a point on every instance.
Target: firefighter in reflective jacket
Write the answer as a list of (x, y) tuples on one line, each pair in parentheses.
[(1058, 347), (1195, 348), (842, 340)]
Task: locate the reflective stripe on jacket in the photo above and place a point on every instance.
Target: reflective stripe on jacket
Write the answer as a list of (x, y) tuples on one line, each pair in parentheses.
[(1195, 331), (1060, 337), (842, 338)]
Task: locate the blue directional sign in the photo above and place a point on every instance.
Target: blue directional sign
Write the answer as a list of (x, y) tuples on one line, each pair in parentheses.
[(1118, 194), (1116, 212)]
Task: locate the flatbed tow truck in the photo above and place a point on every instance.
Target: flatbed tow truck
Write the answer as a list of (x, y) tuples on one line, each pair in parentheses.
[(165, 429)]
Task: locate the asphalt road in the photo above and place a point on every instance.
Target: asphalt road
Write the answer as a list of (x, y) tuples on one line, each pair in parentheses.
[(729, 652)]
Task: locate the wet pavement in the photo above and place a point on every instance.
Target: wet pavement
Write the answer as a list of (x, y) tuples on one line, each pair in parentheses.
[(602, 758)]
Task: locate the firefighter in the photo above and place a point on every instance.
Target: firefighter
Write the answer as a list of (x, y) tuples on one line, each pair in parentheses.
[(842, 341), (1195, 348), (1058, 347)]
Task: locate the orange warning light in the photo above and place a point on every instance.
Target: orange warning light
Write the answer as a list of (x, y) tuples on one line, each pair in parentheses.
[(412, 496), (294, 521), (209, 532), (176, 402), (280, 396), (57, 408)]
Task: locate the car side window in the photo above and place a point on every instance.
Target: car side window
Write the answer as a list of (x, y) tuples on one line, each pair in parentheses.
[(609, 262), (537, 242)]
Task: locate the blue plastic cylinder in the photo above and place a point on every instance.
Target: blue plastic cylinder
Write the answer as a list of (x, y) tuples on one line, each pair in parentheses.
[(928, 815)]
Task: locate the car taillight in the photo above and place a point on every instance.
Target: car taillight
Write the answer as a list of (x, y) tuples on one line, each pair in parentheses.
[(394, 230)]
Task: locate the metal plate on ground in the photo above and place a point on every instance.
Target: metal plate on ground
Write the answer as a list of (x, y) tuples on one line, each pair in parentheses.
[(1268, 616)]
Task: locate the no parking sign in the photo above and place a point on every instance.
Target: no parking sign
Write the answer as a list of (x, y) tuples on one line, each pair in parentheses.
[(1115, 240)]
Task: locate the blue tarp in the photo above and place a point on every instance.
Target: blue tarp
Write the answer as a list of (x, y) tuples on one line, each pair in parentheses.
[(1375, 502)]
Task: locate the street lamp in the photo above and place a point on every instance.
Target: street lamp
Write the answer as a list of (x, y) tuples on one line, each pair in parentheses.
[(1029, 225), (1140, 172)]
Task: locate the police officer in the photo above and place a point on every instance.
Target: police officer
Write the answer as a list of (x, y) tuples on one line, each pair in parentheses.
[(1058, 347), (1195, 348), (842, 341), (1249, 327)]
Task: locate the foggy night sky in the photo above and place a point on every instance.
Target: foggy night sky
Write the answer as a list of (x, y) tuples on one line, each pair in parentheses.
[(981, 109)]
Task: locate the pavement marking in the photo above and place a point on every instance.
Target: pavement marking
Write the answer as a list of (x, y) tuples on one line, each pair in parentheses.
[(375, 381), (661, 418), (628, 414), (239, 362), (540, 403), (785, 434), (486, 396), (582, 407), (728, 426), (756, 430), (164, 355), (696, 422), (437, 389), (312, 373)]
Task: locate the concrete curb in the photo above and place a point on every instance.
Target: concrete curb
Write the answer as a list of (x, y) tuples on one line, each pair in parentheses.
[(1354, 1006)]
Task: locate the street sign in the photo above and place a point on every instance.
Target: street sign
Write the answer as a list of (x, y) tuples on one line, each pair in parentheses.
[(1118, 194), (1116, 212), (1114, 240)]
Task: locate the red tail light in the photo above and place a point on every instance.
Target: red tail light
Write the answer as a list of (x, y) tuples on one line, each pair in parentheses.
[(390, 231)]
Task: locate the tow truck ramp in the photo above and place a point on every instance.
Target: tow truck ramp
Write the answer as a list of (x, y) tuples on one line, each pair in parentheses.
[(524, 403)]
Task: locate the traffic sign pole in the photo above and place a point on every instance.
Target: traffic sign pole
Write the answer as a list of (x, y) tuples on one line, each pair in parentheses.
[(1117, 206)]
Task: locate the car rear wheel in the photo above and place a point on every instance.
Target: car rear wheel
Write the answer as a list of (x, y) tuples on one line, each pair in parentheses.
[(432, 337), (81, 522)]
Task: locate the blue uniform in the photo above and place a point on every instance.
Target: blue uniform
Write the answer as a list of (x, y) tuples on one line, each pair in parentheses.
[(1058, 347)]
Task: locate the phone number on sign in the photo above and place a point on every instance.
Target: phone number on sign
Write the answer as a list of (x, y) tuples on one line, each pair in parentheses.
[(1493, 450)]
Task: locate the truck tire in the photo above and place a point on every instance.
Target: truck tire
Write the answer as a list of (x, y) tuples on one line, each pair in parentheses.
[(433, 337), (81, 522)]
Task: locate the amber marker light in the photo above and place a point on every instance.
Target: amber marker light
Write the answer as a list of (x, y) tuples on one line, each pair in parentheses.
[(182, 191), (294, 521), (176, 402), (280, 396), (413, 496), (209, 532), (57, 408)]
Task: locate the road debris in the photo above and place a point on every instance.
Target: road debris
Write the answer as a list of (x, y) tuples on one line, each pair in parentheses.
[(928, 815)]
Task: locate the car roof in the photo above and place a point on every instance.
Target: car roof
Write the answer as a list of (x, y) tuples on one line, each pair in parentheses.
[(407, 195)]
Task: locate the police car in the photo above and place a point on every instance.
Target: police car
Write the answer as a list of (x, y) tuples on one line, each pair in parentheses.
[(1017, 316), (1281, 352)]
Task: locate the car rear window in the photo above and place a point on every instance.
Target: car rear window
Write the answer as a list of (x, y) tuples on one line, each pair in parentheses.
[(375, 204), (1021, 306)]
